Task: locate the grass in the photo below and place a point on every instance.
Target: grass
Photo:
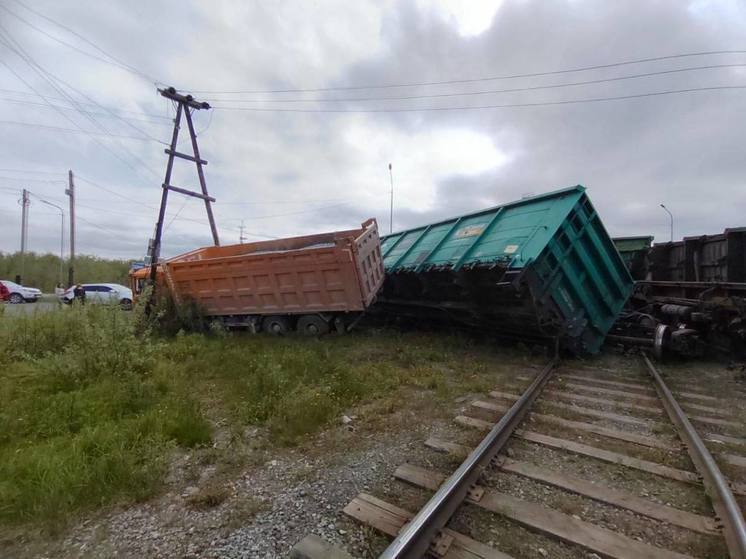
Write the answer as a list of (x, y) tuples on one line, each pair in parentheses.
[(93, 408)]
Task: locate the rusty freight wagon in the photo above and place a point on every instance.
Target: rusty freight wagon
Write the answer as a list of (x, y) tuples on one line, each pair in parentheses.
[(542, 268), (310, 284)]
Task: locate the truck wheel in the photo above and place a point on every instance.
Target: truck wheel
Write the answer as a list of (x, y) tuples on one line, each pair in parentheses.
[(312, 325), (276, 325)]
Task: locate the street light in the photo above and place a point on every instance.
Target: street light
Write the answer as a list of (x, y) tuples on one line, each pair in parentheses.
[(391, 214), (62, 234), (671, 216)]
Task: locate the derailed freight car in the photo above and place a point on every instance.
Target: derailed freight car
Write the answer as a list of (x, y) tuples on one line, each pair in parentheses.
[(542, 268), (691, 295), (310, 283)]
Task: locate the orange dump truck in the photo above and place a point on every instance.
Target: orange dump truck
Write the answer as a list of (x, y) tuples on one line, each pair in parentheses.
[(309, 284)]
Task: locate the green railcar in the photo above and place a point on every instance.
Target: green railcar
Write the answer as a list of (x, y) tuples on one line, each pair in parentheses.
[(539, 268), (634, 251)]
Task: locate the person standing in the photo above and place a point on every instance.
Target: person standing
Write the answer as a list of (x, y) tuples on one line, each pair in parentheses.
[(79, 294)]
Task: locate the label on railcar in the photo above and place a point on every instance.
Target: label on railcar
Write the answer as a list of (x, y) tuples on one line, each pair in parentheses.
[(469, 231), (510, 249)]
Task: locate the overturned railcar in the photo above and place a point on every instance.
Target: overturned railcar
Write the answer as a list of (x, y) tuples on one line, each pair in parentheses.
[(541, 268)]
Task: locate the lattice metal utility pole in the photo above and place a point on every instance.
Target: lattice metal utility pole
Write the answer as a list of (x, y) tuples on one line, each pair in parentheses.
[(70, 191), (184, 104)]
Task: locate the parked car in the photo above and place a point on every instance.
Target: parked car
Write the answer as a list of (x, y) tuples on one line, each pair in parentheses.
[(101, 293), (19, 293)]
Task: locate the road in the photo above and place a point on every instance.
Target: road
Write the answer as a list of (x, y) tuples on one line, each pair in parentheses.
[(45, 304)]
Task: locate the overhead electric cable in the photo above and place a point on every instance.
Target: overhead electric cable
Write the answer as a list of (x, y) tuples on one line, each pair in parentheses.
[(116, 61), (32, 172), (478, 107), (13, 45), (139, 113), (484, 92), (6, 39), (480, 79), (33, 103), (74, 130)]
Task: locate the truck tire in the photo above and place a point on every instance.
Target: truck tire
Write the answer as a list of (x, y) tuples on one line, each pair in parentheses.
[(276, 325), (312, 325)]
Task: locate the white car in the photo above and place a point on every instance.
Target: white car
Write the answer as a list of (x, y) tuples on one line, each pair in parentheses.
[(102, 293), (21, 294)]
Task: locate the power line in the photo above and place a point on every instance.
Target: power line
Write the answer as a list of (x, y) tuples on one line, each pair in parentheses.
[(317, 209), (268, 202), (478, 107), (183, 205), (116, 61), (115, 193), (7, 40), (139, 113), (74, 130), (30, 172), (481, 79), (32, 103), (13, 45), (487, 92)]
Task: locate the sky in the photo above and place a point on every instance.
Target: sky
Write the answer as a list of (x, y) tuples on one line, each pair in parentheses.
[(313, 100)]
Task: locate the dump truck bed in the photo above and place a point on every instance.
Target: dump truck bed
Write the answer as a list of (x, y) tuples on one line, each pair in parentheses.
[(341, 271)]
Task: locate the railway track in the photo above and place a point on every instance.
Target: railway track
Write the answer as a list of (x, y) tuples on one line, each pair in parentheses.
[(620, 451)]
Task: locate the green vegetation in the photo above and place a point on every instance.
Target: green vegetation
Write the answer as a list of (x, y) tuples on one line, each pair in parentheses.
[(93, 406), (43, 270)]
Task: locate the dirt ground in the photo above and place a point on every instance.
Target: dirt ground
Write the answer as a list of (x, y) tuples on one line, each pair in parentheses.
[(261, 508)]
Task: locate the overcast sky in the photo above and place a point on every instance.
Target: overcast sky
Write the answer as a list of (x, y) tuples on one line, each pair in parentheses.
[(297, 170)]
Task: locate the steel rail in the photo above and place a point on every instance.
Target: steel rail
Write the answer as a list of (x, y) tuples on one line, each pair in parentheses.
[(726, 507), (417, 536)]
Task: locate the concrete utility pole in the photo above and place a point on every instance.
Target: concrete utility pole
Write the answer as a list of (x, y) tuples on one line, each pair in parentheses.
[(70, 191), (24, 229), (391, 215)]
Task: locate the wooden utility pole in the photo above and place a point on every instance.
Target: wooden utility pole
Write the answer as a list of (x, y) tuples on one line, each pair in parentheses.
[(241, 238), (70, 191), (24, 229), (185, 104)]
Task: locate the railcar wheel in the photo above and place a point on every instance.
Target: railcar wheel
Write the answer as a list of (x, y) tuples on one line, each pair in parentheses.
[(312, 325), (276, 325), (662, 340)]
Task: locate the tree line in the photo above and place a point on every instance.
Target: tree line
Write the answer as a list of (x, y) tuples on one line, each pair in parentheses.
[(43, 270)]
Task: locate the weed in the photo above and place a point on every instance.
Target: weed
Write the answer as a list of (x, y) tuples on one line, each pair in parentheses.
[(208, 497), (242, 510)]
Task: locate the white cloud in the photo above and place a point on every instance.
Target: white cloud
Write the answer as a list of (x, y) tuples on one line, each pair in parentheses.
[(470, 17), (420, 159)]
